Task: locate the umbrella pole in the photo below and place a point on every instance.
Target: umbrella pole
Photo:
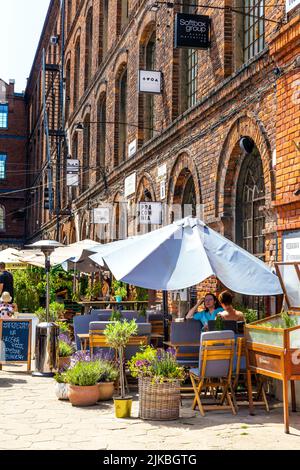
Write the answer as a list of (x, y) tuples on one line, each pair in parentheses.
[(166, 313)]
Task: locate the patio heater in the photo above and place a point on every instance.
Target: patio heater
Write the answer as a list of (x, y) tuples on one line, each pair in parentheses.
[(46, 346)]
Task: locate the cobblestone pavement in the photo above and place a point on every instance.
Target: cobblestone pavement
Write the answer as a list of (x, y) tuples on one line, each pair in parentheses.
[(32, 417)]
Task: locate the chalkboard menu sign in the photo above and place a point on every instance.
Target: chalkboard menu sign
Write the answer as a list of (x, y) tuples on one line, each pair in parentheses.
[(192, 31), (15, 337)]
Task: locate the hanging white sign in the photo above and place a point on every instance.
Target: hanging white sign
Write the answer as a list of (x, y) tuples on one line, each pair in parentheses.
[(291, 249), (72, 179), (291, 4), (150, 81), (72, 165), (132, 148), (150, 213), (162, 189), (100, 215), (161, 171), (130, 184)]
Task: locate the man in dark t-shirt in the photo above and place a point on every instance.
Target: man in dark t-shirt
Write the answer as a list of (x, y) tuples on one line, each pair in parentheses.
[(6, 281)]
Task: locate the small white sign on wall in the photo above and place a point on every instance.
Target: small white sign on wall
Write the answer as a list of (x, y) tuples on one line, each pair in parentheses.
[(130, 185), (150, 213), (150, 81), (100, 215), (132, 148), (161, 171), (162, 190), (291, 249)]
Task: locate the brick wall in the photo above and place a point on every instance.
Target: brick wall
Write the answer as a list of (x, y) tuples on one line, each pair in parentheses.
[(13, 143)]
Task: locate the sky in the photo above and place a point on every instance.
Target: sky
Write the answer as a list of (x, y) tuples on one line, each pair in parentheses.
[(21, 26)]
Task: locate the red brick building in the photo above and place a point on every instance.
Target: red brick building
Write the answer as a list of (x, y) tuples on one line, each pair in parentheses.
[(13, 165), (188, 136)]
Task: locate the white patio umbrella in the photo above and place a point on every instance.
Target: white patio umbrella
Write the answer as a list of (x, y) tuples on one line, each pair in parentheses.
[(185, 253), (12, 258), (84, 262)]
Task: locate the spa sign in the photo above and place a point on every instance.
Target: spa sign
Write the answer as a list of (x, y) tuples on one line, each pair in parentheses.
[(192, 31)]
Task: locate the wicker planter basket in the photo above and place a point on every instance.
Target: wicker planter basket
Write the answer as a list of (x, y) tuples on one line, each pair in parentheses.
[(160, 401)]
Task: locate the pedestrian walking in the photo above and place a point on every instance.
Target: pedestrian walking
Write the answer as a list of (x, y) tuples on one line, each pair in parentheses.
[(6, 281)]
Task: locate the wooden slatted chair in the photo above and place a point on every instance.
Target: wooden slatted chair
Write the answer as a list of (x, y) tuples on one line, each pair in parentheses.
[(214, 372), (260, 397)]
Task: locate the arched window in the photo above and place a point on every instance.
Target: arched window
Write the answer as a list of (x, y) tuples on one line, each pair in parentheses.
[(101, 134), (88, 47), (148, 98), (68, 89), (86, 152), (103, 27), (121, 117), (76, 72), (250, 220), (2, 218)]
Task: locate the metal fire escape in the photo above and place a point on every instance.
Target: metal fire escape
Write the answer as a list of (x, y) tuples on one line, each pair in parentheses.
[(53, 117)]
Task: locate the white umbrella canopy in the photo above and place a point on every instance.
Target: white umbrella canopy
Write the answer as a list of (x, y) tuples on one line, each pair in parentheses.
[(12, 258), (185, 253), (74, 250), (84, 262)]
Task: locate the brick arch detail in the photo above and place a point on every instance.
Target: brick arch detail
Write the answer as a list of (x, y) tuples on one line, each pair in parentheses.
[(230, 161), (87, 110), (146, 32), (88, 6), (121, 59), (77, 36), (101, 89), (145, 181), (83, 223), (147, 17), (183, 161)]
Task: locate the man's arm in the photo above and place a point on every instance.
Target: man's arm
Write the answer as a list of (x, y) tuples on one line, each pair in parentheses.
[(1, 288)]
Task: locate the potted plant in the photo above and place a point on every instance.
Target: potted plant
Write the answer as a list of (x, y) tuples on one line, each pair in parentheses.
[(117, 335), (106, 382), (159, 378), (61, 386), (120, 293), (82, 379), (65, 350)]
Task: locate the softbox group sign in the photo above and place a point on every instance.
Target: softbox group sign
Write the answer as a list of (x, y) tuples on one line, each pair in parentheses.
[(192, 31)]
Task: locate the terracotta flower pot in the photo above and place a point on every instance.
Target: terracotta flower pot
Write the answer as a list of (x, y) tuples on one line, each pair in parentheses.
[(106, 390), (64, 362), (83, 395), (61, 391)]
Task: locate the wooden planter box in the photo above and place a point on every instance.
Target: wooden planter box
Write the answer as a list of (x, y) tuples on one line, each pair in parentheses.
[(275, 352)]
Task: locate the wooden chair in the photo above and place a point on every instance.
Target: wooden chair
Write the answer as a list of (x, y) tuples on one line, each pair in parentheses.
[(260, 397), (214, 372)]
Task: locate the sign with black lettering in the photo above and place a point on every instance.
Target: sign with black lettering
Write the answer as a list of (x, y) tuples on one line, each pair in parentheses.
[(192, 31), (15, 341), (150, 81), (150, 213)]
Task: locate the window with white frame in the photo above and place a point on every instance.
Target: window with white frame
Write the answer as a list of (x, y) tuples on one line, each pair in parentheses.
[(254, 28), (3, 116), (192, 72), (3, 158)]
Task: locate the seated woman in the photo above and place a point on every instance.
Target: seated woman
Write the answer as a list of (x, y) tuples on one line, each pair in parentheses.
[(229, 313), (7, 309), (210, 311)]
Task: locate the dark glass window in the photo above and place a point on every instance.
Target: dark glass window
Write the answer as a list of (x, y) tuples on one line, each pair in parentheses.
[(254, 28)]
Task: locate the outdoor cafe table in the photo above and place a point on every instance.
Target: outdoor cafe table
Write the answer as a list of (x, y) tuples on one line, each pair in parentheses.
[(134, 304), (84, 339)]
